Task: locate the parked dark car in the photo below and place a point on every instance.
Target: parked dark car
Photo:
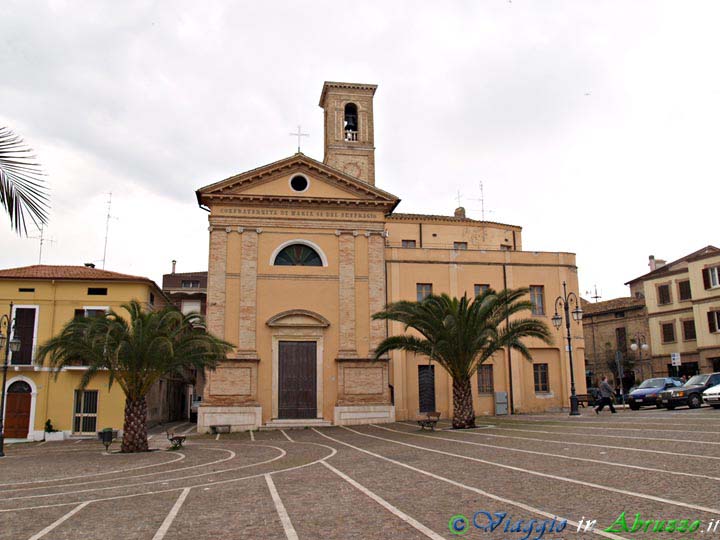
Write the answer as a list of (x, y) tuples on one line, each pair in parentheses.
[(646, 395), (690, 393)]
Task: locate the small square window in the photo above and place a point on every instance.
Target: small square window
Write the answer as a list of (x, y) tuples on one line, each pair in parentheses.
[(190, 284), (423, 291), (480, 288), (460, 245), (408, 243)]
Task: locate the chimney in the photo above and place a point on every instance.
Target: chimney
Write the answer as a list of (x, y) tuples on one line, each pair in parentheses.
[(89, 265), (173, 265), (460, 212), (651, 262)]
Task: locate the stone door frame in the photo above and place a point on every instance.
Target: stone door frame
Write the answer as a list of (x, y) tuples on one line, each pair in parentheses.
[(298, 325)]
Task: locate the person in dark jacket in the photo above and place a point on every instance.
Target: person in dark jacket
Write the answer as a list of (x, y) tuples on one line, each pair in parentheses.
[(606, 393)]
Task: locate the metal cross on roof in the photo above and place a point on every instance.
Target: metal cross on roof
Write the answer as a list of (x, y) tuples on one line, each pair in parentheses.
[(298, 135)]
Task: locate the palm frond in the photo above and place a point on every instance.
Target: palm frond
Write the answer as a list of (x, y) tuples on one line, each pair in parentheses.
[(23, 192)]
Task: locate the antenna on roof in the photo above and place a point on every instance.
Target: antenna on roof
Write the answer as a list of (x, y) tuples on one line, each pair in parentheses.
[(107, 228), (41, 237)]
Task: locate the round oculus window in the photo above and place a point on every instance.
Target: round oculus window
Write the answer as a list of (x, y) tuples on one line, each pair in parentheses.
[(299, 183)]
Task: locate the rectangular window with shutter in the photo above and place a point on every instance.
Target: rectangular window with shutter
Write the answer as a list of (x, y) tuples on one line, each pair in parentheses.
[(714, 321), (537, 298), (711, 277), (663, 295), (542, 380), (486, 384), (408, 243), (689, 330), (86, 408), (668, 332), (24, 323), (684, 291), (460, 245)]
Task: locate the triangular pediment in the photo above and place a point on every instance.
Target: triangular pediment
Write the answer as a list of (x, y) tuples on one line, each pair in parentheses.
[(272, 182)]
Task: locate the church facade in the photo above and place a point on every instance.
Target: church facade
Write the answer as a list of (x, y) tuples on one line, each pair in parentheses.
[(303, 252)]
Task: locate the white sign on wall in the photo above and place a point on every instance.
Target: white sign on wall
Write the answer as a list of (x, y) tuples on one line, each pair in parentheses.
[(675, 358)]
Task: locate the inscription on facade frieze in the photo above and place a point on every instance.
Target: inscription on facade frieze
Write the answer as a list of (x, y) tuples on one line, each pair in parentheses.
[(291, 213)]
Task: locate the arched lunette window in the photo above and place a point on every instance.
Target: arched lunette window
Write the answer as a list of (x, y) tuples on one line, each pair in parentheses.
[(298, 255)]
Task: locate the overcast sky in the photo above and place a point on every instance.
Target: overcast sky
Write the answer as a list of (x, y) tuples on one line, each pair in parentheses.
[(593, 125)]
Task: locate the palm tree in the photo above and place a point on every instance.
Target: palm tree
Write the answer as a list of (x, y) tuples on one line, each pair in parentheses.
[(136, 354), (23, 192), (461, 334)]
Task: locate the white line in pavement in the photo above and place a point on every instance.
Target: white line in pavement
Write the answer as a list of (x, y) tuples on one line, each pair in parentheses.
[(561, 456), (252, 436), (67, 516), (44, 442), (286, 435), (78, 441), (573, 443), (232, 455), (333, 451), (217, 437), (517, 504), (282, 513), (162, 531), (545, 475), (182, 456), (576, 426), (389, 507), (674, 441)]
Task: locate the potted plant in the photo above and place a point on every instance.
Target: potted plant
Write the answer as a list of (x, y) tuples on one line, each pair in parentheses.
[(52, 434)]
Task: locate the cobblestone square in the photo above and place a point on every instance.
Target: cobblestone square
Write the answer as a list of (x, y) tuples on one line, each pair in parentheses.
[(376, 481)]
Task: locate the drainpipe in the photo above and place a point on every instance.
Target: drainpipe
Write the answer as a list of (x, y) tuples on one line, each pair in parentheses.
[(420, 227), (507, 324)]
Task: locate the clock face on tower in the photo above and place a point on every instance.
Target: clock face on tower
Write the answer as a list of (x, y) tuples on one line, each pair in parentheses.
[(353, 169)]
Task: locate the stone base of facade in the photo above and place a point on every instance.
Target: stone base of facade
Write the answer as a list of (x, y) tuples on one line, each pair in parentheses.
[(350, 415), (238, 418)]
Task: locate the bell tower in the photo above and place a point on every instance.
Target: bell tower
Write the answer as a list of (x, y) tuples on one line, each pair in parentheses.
[(349, 137)]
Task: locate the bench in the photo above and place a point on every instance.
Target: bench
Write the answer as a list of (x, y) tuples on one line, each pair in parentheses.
[(175, 440), (429, 421), (583, 399), (222, 428)]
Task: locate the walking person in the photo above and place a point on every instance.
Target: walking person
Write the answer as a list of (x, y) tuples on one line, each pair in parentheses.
[(606, 394)]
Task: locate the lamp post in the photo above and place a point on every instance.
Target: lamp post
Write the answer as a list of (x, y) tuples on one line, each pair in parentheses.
[(640, 345), (9, 345), (564, 302)]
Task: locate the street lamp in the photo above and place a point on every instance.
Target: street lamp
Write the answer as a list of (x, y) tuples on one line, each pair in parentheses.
[(11, 345), (640, 345), (564, 302)]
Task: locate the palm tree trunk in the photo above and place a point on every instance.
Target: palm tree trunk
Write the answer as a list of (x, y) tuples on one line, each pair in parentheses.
[(135, 428), (463, 412)]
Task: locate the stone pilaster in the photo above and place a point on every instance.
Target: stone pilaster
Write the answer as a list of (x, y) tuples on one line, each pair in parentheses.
[(216, 282), (376, 287), (346, 262), (248, 294)]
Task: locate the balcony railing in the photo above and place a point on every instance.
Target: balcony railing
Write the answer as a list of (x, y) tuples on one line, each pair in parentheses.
[(351, 135)]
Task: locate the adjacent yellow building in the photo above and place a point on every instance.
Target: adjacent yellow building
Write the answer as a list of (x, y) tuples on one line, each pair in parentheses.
[(683, 309), (44, 299), (303, 252)]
